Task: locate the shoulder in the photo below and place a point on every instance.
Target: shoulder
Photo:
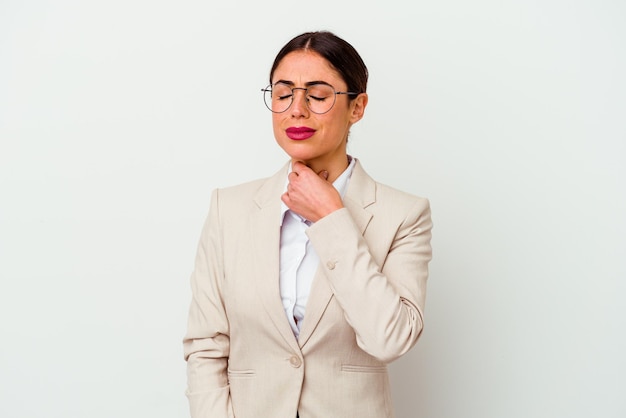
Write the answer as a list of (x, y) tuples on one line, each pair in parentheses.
[(377, 196), (400, 207), (386, 193), (236, 202), (241, 198), (239, 192)]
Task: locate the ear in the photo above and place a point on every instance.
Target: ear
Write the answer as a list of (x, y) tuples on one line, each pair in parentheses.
[(358, 107)]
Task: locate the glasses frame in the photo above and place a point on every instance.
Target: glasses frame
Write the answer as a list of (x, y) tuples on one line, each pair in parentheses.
[(269, 88)]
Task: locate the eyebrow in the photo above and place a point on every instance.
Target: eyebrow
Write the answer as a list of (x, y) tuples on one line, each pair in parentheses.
[(307, 84)]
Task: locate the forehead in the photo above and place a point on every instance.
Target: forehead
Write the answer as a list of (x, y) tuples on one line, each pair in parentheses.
[(301, 67)]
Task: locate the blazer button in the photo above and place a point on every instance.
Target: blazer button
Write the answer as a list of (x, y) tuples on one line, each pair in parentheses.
[(331, 265), (295, 361)]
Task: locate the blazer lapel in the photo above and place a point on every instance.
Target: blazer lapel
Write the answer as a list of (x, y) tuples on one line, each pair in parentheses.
[(319, 297), (360, 194), (265, 232)]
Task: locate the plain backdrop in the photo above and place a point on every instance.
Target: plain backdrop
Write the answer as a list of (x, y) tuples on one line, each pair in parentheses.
[(118, 118)]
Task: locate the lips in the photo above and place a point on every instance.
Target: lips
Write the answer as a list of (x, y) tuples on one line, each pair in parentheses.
[(299, 133)]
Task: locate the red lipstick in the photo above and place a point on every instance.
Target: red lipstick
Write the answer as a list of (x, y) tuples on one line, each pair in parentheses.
[(300, 133)]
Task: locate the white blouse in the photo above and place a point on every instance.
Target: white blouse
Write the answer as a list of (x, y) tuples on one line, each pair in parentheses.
[(298, 259)]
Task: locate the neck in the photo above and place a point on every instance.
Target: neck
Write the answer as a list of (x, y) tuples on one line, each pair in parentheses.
[(334, 168)]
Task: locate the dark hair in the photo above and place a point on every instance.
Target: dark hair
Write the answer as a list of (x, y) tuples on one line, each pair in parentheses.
[(340, 54)]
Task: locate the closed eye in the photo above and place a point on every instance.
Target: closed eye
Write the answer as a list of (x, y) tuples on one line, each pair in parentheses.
[(316, 98)]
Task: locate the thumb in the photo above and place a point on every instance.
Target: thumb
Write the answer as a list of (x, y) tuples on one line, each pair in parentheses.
[(323, 174)]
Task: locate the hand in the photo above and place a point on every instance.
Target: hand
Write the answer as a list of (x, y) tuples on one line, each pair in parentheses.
[(310, 195)]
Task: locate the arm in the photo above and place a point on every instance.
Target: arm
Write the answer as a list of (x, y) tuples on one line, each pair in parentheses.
[(206, 344), (383, 304)]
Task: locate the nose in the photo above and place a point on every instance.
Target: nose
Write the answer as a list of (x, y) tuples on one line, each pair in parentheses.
[(299, 108)]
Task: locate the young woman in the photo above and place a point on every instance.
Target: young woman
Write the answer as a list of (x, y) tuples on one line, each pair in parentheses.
[(308, 283)]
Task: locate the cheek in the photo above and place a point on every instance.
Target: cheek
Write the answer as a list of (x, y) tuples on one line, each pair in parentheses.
[(332, 124), (279, 134), (275, 122)]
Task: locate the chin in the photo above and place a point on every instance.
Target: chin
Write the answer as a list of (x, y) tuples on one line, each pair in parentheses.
[(300, 156), (297, 152)]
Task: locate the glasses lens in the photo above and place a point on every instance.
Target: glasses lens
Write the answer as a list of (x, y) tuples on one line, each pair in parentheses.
[(278, 97), (320, 98)]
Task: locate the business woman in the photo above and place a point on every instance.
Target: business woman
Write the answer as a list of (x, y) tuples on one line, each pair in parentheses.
[(308, 283)]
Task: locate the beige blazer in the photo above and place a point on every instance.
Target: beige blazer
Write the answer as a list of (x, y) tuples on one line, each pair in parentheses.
[(365, 308)]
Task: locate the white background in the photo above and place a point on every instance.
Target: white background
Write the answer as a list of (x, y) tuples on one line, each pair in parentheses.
[(117, 119)]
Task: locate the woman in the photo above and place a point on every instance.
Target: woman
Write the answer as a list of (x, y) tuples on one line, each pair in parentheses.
[(308, 283)]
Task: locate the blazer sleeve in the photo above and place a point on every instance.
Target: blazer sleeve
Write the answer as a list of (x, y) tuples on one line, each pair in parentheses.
[(382, 303), (206, 343)]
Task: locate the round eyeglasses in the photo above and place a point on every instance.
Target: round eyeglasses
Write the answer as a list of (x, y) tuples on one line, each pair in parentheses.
[(319, 98)]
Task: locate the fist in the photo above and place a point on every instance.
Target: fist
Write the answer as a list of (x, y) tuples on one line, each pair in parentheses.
[(309, 194)]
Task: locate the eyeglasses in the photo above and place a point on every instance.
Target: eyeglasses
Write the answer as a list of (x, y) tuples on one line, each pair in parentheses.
[(320, 98)]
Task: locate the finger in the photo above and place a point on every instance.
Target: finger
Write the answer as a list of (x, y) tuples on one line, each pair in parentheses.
[(300, 167), (323, 174)]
